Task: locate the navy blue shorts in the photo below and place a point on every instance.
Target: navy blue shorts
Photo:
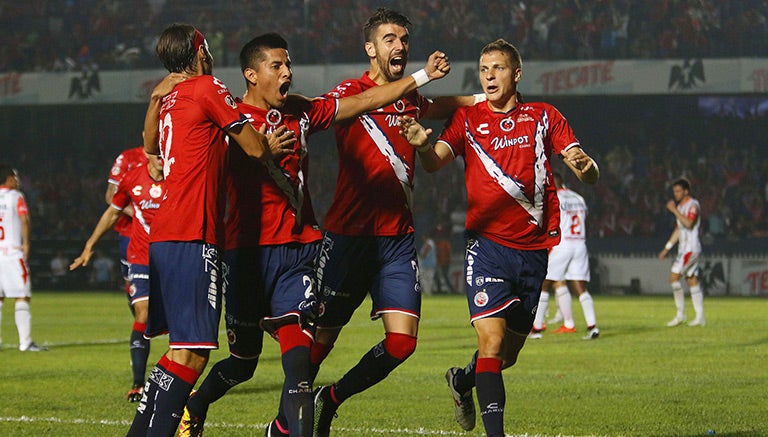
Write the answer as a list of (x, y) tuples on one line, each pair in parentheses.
[(185, 293), (123, 241), (138, 275), (503, 282), (272, 282), (349, 268)]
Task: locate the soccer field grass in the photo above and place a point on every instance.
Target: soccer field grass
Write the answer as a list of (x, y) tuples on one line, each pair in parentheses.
[(639, 378)]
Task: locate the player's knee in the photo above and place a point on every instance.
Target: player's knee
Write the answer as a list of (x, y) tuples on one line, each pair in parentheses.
[(676, 285), (242, 370), (400, 346)]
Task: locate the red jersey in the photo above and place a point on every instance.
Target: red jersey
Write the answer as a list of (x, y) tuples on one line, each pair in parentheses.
[(194, 118), (287, 215), (375, 181), (138, 189), (512, 199), (125, 162)]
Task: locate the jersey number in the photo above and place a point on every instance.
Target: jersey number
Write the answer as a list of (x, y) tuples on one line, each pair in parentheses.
[(575, 225)]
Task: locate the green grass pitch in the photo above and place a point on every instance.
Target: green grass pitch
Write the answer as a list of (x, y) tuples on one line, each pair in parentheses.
[(639, 378)]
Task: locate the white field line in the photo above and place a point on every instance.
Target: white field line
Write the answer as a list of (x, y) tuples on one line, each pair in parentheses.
[(261, 426)]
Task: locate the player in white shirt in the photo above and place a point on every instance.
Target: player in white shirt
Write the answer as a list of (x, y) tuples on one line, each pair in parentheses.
[(568, 267), (687, 212), (14, 250)]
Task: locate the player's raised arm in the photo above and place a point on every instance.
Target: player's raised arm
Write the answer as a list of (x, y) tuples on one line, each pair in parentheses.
[(437, 67), (582, 165), (432, 156), (107, 220), (151, 133)]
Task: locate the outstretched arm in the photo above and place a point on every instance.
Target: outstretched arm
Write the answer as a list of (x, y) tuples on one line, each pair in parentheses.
[(433, 157), (350, 107), (107, 220)]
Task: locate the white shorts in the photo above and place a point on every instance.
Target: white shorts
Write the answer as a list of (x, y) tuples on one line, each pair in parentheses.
[(686, 264), (568, 262), (14, 277)]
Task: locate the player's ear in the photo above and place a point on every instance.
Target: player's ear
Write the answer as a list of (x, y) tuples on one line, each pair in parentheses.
[(250, 76), (518, 74), (370, 50)]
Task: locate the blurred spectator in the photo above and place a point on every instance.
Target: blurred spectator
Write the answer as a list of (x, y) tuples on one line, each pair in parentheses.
[(59, 270), (103, 271)]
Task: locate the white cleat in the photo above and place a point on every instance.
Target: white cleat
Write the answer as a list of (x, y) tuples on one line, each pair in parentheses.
[(592, 334), (677, 321), (698, 321)]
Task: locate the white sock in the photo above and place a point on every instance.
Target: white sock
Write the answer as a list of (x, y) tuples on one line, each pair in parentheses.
[(541, 311), (1, 321), (677, 293), (564, 302), (23, 323), (697, 298), (588, 306)]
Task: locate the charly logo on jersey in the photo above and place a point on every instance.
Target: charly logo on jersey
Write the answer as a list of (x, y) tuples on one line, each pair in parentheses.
[(137, 190), (481, 298), (274, 117), (507, 124)]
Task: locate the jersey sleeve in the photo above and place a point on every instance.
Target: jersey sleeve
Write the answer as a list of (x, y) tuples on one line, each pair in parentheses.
[(693, 212), (122, 197), (21, 206), (560, 133), (423, 103), (322, 113), (218, 104), (454, 132), (117, 171)]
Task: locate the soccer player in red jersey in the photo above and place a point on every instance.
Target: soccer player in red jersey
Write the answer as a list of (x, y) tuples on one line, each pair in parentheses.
[(368, 246), (188, 127), (142, 190), (512, 219), (126, 161), (270, 256)]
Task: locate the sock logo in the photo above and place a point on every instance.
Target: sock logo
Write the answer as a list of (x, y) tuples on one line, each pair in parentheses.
[(303, 387), (379, 350), (162, 379), (492, 408)]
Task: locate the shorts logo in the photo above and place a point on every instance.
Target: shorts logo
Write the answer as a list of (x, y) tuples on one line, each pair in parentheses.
[(479, 281), (231, 336), (132, 290), (481, 298)]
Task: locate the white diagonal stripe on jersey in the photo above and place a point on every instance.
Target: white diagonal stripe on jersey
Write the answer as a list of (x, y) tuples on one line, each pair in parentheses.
[(508, 183), (386, 149)]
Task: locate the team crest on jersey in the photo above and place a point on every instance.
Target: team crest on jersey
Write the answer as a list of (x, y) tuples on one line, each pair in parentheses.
[(115, 171), (481, 298), (274, 117), (507, 124), (156, 191), (399, 106), (230, 101)]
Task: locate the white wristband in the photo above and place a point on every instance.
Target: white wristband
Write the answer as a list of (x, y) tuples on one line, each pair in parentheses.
[(421, 77), (480, 98), (424, 148), (668, 245)]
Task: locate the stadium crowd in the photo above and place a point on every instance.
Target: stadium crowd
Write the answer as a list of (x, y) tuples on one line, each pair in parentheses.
[(59, 35)]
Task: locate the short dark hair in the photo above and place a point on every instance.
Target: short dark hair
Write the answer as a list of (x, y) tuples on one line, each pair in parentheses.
[(253, 51), (176, 47), (500, 45), (682, 183), (383, 16), (6, 171)]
